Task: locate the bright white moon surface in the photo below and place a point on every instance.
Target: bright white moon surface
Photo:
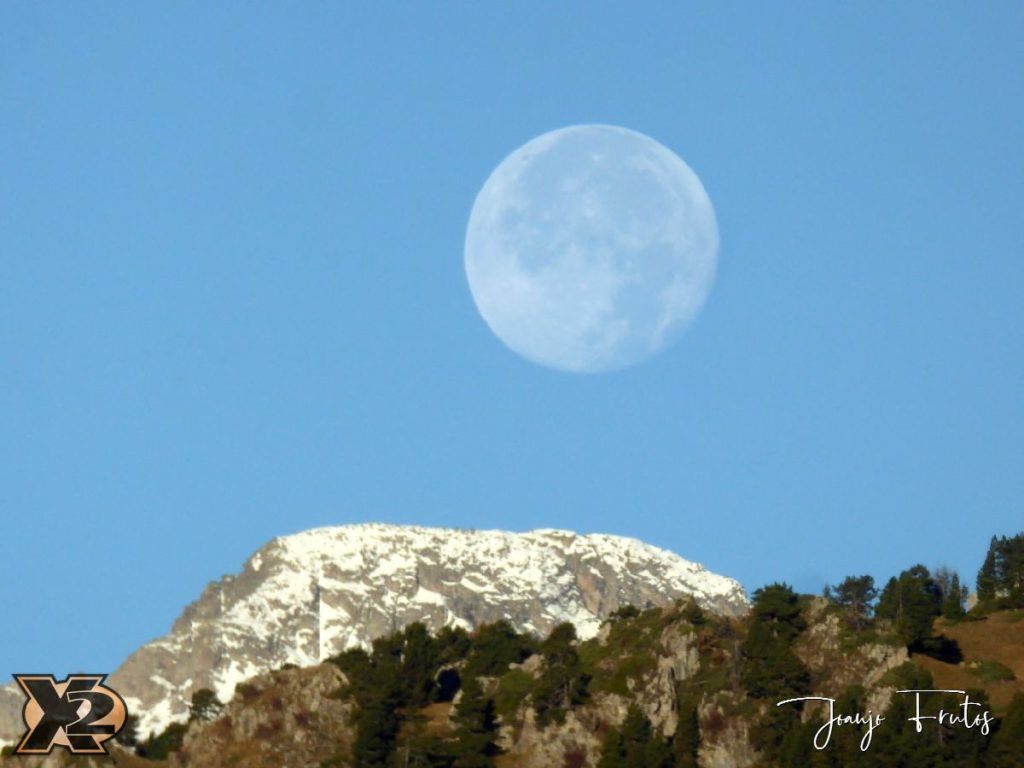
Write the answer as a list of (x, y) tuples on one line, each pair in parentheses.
[(591, 248)]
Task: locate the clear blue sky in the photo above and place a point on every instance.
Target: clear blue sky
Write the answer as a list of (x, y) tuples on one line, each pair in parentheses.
[(232, 300)]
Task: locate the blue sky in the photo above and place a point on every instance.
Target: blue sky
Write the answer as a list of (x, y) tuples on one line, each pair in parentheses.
[(232, 299)]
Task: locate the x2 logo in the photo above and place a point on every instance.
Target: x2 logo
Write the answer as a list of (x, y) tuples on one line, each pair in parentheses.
[(78, 713)]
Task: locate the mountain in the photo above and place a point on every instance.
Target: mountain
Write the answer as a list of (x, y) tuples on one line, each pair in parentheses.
[(666, 687), (303, 598)]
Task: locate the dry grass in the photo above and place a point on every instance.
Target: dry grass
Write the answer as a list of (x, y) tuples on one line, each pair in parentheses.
[(436, 718), (999, 637)]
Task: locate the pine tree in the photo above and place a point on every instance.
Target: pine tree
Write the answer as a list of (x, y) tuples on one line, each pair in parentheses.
[(159, 746), (986, 584), (694, 614), (637, 745), (562, 684), (686, 741), (419, 664), (953, 599), (1002, 575), (205, 706), (1007, 747), (855, 594), (912, 602), (128, 736), (377, 725), (495, 646), (453, 645), (770, 668), (380, 691), (476, 727), (613, 750)]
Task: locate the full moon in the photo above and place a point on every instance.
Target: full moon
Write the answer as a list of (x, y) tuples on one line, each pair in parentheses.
[(591, 248)]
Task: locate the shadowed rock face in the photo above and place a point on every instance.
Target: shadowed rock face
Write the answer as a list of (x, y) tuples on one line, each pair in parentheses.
[(303, 598)]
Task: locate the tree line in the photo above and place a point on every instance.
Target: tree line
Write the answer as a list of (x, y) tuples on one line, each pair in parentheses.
[(398, 679)]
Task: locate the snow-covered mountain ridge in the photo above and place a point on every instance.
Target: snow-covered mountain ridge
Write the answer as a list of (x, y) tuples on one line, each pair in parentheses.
[(308, 596)]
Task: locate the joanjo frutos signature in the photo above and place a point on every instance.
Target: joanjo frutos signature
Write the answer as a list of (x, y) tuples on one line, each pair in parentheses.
[(968, 714)]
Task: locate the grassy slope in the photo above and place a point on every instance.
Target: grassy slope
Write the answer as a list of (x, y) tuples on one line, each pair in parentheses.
[(998, 637)]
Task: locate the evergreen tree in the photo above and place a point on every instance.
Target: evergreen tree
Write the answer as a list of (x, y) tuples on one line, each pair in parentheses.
[(797, 749), (419, 664), (911, 601), (128, 736), (476, 727), (844, 749), (159, 746), (686, 741), (773, 731), (357, 666), (694, 614), (636, 745), (1002, 575), (377, 724), (495, 646), (966, 747), (898, 743), (855, 594), (380, 691), (777, 604), (770, 668), (953, 599), (1007, 747), (205, 706), (424, 749), (453, 645), (657, 753), (636, 734), (613, 750), (562, 684), (987, 583)]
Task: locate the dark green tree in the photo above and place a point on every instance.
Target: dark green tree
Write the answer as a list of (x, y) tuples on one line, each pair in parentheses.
[(476, 727), (773, 731), (1007, 747), (953, 596), (964, 747), (128, 736), (855, 594), (898, 743), (495, 646), (770, 668), (205, 706), (380, 691), (562, 683), (1001, 576), (377, 725), (686, 741), (988, 581), (159, 746), (694, 614), (419, 665), (613, 750), (637, 733), (635, 744), (911, 601), (453, 645), (779, 605)]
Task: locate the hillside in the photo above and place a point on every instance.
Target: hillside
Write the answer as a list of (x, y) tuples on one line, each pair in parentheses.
[(302, 598), (676, 675)]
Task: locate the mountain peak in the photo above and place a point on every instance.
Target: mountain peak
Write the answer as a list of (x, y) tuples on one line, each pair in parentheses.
[(304, 597)]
